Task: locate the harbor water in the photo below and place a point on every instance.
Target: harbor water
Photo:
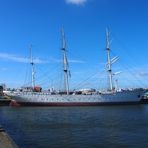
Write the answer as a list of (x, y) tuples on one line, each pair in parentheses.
[(77, 127)]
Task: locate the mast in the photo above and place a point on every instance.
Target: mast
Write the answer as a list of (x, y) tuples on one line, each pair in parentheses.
[(116, 82), (65, 63), (109, 62), (32, 68)]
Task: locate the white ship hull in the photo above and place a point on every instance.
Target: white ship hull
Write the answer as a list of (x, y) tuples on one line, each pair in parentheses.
[(45, 99)]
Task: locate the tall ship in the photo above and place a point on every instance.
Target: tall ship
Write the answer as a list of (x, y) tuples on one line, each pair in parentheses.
[(30, 97)]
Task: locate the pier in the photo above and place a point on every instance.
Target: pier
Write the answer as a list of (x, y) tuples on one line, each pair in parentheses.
[(5, 140)]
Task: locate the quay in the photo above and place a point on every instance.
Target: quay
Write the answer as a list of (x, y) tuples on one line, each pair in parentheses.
[(5, 140)]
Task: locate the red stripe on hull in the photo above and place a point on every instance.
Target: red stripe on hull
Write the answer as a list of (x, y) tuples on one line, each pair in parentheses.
[(14, 103)]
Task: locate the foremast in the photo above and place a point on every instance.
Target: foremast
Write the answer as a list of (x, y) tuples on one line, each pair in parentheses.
[(109, 61), (32, 68), (65, 63)]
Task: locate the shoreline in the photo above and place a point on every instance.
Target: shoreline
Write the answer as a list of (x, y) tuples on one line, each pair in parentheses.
[(5, 140)]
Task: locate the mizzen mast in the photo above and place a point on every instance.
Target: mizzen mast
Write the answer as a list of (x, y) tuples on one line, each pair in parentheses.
[(32, 68), (65, 63)]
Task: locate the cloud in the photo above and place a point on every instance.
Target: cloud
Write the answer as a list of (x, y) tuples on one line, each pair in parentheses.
[(76, 2), (3, 69), (16, 58), (143, 74), (53, 60), (76, 61)]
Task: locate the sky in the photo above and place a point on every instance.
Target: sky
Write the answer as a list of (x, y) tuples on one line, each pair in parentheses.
[(38, 23)]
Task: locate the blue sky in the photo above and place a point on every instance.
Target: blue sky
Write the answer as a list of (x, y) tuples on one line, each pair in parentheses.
[(38, 22)]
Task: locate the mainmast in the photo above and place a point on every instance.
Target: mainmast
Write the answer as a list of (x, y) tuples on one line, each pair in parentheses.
[(109, 62), (32, 68), (65, 63)]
